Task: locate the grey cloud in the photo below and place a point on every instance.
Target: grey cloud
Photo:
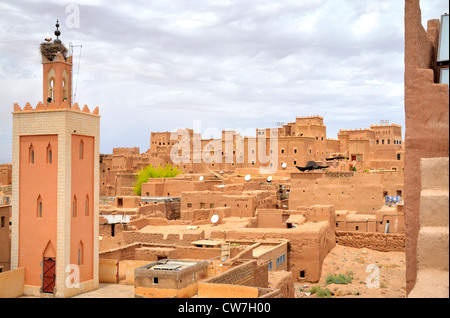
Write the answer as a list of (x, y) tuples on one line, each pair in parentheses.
[(160, 65)]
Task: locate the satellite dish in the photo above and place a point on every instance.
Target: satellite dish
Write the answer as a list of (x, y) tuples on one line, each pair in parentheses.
[(201, 178), (221, 186), (283, 165), (269, 178), (223, 259), (248, 177), (214, 218)]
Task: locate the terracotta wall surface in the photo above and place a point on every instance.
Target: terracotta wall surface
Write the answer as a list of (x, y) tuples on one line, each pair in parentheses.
[(427, 122), (37, 180)]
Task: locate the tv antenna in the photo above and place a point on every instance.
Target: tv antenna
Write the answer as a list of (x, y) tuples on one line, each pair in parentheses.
[(71, 46)]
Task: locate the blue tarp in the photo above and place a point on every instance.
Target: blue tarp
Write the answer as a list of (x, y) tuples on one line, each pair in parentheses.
[(392, 200)]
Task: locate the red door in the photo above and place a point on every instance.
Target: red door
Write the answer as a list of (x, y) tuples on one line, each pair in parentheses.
[(49, 275)]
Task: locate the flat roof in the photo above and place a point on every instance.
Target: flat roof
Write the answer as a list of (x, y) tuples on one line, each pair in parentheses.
[(171, 265), (207, 242)]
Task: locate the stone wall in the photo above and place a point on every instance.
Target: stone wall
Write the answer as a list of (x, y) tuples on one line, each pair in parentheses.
[(384, 242)]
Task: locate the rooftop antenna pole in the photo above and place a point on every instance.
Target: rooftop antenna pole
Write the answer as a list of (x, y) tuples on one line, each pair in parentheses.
[(71, 46)]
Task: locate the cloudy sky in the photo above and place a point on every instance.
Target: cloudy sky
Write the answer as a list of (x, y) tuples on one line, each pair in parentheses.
[(232, 64)]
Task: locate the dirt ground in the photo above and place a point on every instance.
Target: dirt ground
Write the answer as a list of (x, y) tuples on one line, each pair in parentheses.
[(363, 265)]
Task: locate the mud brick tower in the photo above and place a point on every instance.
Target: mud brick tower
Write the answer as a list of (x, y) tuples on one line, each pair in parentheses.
[(56, 185)]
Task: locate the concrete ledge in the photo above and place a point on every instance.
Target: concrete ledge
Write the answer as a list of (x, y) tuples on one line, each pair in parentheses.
[(434, 173), (431, 284), (434, 207), (432, 248)]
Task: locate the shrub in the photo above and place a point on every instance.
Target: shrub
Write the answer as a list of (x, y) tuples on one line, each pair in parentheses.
[(339, 279), (151, 172), (320, 292)]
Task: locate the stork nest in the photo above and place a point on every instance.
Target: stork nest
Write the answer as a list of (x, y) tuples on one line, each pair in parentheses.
[(50, 50)]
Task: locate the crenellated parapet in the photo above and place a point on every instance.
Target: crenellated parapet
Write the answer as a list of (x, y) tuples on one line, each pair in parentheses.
[(385, 125), (354, 130), (52, 106), (309, 117)]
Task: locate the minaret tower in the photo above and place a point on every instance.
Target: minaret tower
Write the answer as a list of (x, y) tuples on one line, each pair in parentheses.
[(57, 71), (55, 185)]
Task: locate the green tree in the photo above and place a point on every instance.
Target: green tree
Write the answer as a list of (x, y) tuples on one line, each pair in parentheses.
[(151, 172)]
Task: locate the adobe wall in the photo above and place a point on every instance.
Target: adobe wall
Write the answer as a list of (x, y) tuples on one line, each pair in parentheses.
[(270, 218), (12, 283), (426, 119), (206, 214), (308, 245), (127, 202), (272, 253), (375, 222), (152, 252), (284, 281), (159, 238), (171, 284), (5, 241), (241, 205), (107, 270), (6, 174), (376, 241), (169, 210), (252, 273), (173, 187), (360, 191), (182, 252)]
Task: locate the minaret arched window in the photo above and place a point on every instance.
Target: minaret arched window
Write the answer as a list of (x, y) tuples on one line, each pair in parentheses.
[(52, 88), (64, 85), (39, 206), (49, 154), (74, 206), (86, 206), (64, 89), (80, 253), (81, 149), (31, 154)]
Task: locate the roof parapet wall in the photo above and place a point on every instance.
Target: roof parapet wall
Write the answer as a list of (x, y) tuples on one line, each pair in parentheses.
[(40, 107), (385, 125), (309, 117)]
